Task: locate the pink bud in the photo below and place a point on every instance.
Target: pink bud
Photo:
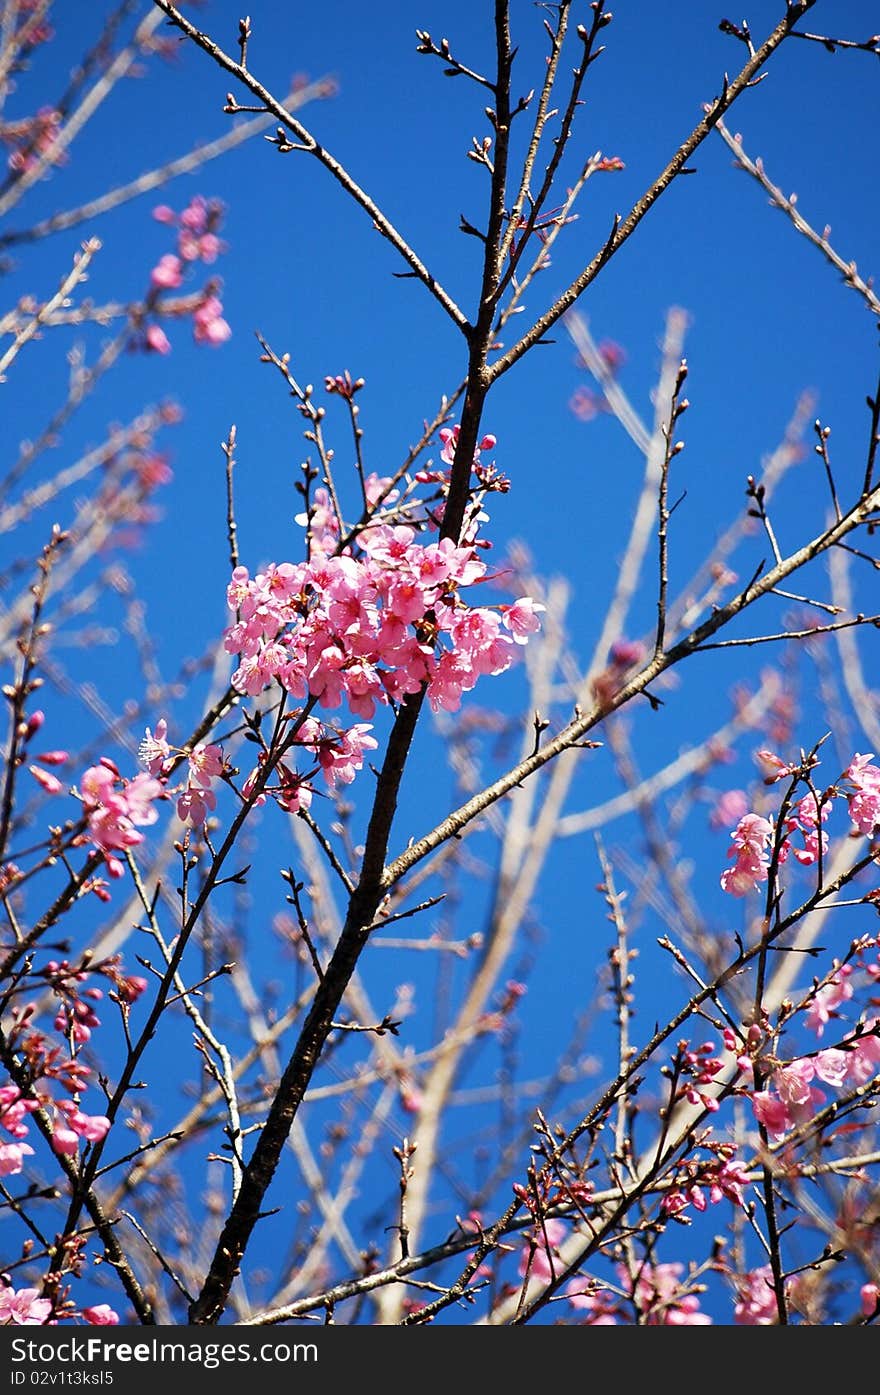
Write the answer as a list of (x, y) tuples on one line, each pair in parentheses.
[(34, 722), (869, 1295), (50, 783), (157, 340)]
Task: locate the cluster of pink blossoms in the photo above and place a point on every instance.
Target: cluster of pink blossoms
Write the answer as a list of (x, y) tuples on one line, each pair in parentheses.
[(51, 1066), (791, 1098), (14, 1109), (753, 837), (374, 628), (864, 798), (360, 630), (25, 1307), (756, 1299), (338, 755), (657, 1294), (197, 241), (57, 1079), (702, 1182), (204, 764), (116, 810), (70, 1125)]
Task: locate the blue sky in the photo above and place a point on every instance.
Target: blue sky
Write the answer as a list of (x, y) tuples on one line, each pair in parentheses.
[(768, 322)]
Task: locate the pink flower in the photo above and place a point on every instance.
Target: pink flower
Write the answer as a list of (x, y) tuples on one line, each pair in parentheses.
[(341, 759), (829, 997), (832, 1066), (101, 1315), (65, 1140), (205, 764), (411, 1099), (864, 802), (449, 438), (626, 653), (864, 810), (76, 1125), (140, 795), (805, 819), (756, 1299), (24, 1307), (154, 749), (34, 723), (729, 808), (372, 624), (792, 1083), (658, 1296), (194, 804), (728, 1181), (863, 1052), (587, 404), (750, 846), (14, 1109), (115, 806), (613, 355), (521, 618), (862, 773), (295, 793), (869, 1296), (208, 325), (795, 1101), (770, 1112), (12, 1158)]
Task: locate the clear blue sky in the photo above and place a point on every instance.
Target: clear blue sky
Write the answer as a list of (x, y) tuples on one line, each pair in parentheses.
[(769, 320)]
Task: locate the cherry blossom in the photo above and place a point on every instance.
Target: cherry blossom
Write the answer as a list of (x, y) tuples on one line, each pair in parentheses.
[(167, 274), (209, 326), (828, 998), (23, 1307), (197, 241), (805, 819), (795, 1099), (12, 1156), (869, 1297), (756, 1299), (116, 809), (750, 847), (657, 1293), (66, 1135), (369, 627), (864, 801)]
